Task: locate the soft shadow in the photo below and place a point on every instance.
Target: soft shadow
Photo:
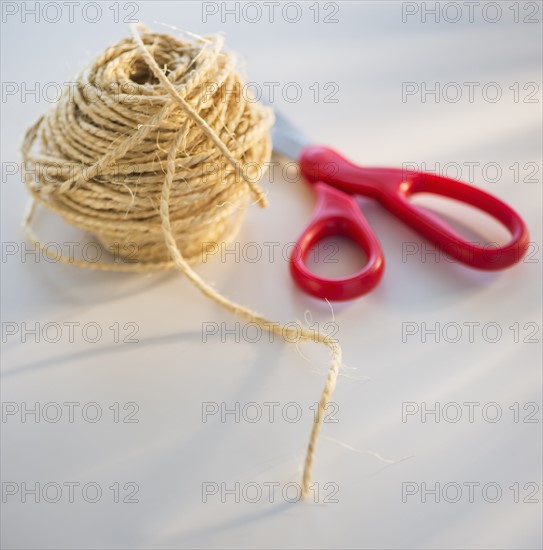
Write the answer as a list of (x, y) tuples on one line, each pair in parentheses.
[(112, 349)]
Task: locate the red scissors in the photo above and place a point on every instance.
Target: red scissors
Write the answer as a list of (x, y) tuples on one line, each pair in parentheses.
[(336, 180)]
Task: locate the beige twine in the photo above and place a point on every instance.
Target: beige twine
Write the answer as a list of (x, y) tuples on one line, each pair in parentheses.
[(121, 156)]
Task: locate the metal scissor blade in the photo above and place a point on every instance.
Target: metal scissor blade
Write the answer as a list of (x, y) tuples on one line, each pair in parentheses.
[(287, 139)]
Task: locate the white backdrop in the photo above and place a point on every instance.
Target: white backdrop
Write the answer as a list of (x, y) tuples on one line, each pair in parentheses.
[(151, 445)]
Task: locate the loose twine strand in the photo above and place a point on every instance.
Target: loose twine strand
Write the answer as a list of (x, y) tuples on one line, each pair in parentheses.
[(127, 167)]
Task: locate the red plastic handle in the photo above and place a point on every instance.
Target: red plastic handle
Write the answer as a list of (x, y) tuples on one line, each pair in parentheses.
[(337, 213), (392, 187)]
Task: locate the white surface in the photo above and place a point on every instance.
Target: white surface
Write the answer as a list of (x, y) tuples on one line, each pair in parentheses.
[(170, 372)]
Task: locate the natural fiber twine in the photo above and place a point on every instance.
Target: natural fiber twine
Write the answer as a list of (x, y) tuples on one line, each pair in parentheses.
[(151, 147)]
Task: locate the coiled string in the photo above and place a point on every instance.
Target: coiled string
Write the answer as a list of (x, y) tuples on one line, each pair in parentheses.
[(151, 147)]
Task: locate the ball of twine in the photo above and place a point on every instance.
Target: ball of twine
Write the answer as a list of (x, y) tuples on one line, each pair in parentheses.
[(106, 146), (150, 146)]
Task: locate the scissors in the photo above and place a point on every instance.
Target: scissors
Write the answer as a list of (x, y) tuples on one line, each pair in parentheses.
[(336, 181)]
